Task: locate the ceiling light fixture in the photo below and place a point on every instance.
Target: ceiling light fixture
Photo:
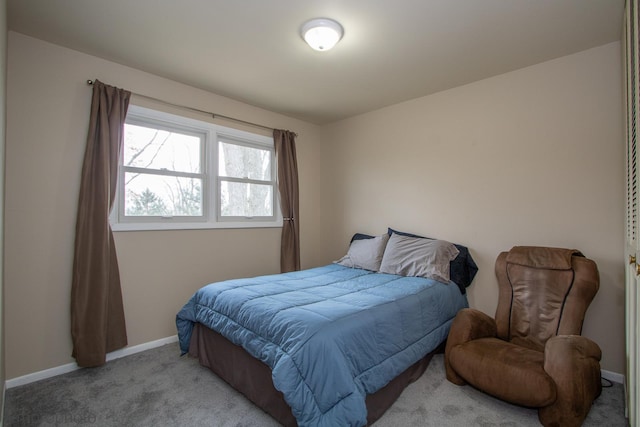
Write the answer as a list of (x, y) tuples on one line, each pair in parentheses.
[(321, 33)]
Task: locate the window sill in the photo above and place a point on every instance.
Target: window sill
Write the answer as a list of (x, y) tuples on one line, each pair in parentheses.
[(156, 226)]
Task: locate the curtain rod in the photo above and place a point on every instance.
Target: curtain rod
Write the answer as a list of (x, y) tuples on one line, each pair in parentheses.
[(209, 113)]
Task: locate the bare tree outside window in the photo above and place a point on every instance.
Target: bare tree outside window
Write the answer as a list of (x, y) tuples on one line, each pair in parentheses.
[(159, 168), (245, 183)]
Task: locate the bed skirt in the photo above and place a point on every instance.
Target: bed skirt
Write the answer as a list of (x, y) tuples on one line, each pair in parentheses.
[(252, 378)]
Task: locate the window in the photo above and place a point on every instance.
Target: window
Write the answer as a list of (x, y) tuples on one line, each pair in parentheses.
[(245, 179), (176, 172)]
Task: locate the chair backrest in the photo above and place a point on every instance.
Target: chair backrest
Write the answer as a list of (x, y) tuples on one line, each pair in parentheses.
[(543, 292)]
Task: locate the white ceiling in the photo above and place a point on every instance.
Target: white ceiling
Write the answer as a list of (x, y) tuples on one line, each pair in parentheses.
[(392, 50)]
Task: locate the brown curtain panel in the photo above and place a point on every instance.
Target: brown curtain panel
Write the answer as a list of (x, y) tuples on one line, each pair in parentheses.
[(285, 145), (97, 313)]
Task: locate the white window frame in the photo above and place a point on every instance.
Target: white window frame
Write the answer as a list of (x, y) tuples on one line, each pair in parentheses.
[(211, 218), (229, 139)]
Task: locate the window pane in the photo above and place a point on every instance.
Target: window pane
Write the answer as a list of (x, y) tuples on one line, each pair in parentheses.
[(145, 147), (159, 195), (245, 200), (238, 161)]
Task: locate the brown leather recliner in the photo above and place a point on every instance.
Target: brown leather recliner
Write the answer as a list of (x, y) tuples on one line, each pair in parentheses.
[(532, 353)]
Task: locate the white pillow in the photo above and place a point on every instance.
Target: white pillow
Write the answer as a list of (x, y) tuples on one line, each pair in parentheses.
[(365, 253), (418, 257)]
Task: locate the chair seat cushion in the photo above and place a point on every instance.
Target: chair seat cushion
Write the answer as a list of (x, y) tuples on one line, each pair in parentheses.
[(504, 370)]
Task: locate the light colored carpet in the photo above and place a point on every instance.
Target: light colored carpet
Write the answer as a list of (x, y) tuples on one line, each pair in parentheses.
[(159, 388)]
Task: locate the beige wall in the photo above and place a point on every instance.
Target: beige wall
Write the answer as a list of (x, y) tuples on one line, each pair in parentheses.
[(48, 107), (532, 157)]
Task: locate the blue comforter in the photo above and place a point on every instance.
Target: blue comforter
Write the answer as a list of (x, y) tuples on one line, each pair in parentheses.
[(331, 335)]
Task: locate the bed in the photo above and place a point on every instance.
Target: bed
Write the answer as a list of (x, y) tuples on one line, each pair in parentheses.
[(336, 344)]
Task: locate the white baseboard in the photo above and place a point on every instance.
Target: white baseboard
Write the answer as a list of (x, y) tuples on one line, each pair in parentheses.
[(70, 367), (612, 376), (141, 347)]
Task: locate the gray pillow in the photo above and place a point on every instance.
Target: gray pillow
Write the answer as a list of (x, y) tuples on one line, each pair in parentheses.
[(418, 257), (365, 254)]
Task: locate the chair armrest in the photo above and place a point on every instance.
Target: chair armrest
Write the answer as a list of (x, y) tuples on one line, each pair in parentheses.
[(469, 324), (573, 362), (567, 353)]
